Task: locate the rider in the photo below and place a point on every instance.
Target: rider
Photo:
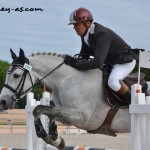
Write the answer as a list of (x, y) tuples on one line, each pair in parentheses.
[(106, 47)]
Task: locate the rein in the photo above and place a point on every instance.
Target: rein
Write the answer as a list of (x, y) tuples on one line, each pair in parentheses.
[(51, 72), (19, 93)]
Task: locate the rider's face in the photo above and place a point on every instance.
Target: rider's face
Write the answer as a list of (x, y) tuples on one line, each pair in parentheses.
[(80, 28)]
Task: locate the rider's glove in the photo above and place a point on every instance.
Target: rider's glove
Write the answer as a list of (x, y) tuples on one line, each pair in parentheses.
[(71, 61)]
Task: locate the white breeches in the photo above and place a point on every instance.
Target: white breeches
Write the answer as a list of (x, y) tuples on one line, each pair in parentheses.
[(119, 72)]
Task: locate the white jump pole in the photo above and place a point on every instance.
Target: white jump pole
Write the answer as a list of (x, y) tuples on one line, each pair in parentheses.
[(32, 141), (29, 119), (142, 123), (135, 136), (148, 125), (140, 119)]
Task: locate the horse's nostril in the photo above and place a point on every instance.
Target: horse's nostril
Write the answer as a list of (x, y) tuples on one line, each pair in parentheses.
[(3, 102)]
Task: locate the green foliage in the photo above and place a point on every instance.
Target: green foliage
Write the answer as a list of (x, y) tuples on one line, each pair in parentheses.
[(4, 65)]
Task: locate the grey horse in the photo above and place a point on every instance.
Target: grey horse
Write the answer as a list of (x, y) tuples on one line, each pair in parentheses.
[(78, 95)]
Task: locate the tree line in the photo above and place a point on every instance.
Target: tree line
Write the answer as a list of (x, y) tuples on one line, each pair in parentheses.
[(4, 66)]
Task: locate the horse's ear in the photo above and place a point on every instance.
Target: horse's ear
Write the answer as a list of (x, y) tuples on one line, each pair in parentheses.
[(13, 55), (21, 54)]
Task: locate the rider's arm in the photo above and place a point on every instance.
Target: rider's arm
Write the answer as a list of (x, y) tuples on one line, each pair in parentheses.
[(101, 46)]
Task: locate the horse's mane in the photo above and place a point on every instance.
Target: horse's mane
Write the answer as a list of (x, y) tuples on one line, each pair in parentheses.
[(48, 54)]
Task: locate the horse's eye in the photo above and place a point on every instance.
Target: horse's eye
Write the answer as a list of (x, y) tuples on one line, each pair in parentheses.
[(16, 75)]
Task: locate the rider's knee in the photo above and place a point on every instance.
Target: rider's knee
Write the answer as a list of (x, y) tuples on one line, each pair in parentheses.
[(114, 84)]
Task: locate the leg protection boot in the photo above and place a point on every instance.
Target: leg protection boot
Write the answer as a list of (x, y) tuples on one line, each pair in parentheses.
[(124, 92)]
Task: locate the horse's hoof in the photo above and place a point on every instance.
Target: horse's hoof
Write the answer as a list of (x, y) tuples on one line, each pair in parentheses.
[(62, 144)]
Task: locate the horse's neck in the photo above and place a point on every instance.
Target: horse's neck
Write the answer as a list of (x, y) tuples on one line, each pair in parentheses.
[(43, 65)]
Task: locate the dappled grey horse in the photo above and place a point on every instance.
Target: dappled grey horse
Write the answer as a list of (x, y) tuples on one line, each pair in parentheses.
[(78, 95)]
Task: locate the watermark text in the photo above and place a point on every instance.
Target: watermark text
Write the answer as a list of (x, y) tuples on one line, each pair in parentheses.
[(20, 9)]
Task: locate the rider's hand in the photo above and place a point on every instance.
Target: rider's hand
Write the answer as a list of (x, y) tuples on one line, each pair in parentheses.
[(71, 61)]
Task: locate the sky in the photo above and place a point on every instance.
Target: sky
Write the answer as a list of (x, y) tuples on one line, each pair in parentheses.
[(47, 30)]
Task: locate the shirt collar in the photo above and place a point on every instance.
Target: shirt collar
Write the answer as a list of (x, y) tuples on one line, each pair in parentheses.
[(91, 30)]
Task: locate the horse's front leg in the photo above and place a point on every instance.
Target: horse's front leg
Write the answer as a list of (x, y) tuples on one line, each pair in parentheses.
[(52, 137), (53, 130)]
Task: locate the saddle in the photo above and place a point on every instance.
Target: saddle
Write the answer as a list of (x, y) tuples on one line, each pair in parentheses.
[(112, 98)]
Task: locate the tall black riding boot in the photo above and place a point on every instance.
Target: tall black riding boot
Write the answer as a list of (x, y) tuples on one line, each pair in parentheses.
[(124, 92)]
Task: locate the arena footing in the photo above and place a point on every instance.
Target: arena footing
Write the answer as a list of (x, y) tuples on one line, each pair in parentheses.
[(66, 148), (7, 148), (48, 147)]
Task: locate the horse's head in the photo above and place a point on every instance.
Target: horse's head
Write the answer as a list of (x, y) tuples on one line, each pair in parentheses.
[(16, 85)]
